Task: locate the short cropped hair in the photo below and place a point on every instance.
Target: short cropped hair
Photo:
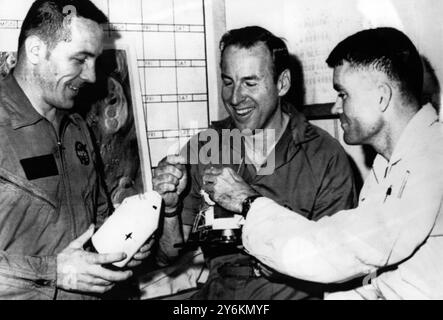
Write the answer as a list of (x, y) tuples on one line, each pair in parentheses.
[(248, 37), (387, 50), (45, 19)]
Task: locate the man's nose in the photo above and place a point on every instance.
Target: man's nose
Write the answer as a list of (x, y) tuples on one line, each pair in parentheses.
[(237, 96), (88, 72)]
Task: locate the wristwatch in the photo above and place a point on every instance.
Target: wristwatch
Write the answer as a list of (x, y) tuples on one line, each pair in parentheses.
[(246, 204)]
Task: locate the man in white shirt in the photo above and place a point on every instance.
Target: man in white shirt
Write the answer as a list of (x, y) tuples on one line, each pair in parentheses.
[(395, 235)]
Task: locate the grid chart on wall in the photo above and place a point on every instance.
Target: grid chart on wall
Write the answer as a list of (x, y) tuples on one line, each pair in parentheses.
[(169, 40)]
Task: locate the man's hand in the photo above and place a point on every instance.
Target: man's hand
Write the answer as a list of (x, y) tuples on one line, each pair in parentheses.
[(79, 270), (141, 254), (170, 180), (226, 188)]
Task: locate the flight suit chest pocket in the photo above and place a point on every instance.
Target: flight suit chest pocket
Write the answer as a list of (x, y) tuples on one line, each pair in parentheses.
[(25, 214)]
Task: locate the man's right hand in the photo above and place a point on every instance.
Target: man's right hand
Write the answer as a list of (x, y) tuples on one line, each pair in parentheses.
[(170, 180), (79, 270)]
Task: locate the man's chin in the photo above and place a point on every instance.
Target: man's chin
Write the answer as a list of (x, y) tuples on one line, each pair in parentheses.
[(350, 140), (245, 126), (246, 129), (66, 105)]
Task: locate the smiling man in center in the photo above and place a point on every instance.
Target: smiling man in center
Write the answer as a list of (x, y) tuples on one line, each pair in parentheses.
[(311, 172)]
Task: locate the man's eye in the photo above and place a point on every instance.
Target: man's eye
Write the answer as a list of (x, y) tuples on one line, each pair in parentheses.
[(80, 60), (227, 83), (251, 84), (342, 95)]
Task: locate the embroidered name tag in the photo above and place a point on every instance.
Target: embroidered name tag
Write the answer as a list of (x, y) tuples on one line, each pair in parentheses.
[(39, 167)]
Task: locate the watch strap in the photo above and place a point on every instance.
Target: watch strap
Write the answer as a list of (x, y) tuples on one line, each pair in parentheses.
[(246, 204)]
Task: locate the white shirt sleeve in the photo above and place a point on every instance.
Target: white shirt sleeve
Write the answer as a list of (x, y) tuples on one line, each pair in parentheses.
[(349, 243)]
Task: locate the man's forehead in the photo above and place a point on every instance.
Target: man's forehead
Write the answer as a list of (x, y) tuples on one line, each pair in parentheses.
[(86, 36), (257, 56), (258, 48), (347, 69), (344, 67), (81, 25), (351, 77)]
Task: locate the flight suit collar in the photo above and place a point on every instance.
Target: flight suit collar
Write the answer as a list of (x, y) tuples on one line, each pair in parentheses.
[(409, 140), (22, 113), (298, 132)]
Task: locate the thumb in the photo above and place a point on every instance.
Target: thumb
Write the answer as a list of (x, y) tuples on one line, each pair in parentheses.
[(80, 241)]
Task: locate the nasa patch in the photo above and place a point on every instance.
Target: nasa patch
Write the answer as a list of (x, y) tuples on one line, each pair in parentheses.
[(82, 153)]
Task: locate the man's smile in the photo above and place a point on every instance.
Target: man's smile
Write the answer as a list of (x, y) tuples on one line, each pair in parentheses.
[(243, 112)]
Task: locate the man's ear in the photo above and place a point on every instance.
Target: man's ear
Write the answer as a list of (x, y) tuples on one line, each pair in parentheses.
[(284, 82), (385, 91), (35, 49)]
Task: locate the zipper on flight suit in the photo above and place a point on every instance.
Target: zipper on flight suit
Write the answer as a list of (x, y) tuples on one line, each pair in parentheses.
[(64, 173)]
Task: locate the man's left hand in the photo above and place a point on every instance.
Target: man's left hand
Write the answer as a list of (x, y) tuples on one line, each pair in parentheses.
[(141, 254), (226, 188)]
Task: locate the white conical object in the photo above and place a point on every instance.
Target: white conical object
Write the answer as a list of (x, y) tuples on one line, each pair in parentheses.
[(128, 228)]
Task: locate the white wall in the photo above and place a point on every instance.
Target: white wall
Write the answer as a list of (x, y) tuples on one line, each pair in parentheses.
[(421, 20)]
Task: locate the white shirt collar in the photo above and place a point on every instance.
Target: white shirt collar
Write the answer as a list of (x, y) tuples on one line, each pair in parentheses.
[(409, 140)]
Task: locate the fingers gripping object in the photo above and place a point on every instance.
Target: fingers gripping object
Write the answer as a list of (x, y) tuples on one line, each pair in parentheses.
[(211, 230), (128, 228), (206, 197)]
